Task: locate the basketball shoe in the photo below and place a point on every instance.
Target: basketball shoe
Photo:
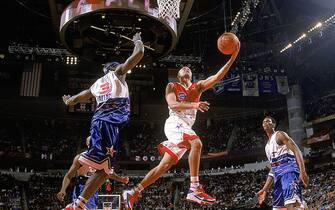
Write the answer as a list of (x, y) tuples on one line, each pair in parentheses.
[(199, 196), (129, 198)]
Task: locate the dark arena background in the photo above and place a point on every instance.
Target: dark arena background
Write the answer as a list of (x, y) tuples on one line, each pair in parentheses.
[(285, 68)]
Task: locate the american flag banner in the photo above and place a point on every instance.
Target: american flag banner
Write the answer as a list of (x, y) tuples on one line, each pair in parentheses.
[(31, 79)]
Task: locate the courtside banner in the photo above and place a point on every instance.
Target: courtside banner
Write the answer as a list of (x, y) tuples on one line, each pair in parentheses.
[(230, 83), (250, 84), (266, 83), (282, 85)]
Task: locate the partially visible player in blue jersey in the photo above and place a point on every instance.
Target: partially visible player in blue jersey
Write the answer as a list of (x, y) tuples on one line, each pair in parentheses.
[(288, 171), (82, 173), (113, 110)]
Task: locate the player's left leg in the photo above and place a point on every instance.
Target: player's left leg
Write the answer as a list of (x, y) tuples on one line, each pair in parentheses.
[(92, 185), (292, 190), (196, 192), (131, 196)]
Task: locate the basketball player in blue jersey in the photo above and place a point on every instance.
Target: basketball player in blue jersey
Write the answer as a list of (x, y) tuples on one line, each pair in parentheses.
[(287, 169), (113, 110), (82, 173)]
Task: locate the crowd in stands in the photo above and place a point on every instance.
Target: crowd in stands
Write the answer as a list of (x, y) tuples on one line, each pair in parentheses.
[(39, 138), (41, 192), (232, 191), (59, 139), (320, 107), (10, 193)]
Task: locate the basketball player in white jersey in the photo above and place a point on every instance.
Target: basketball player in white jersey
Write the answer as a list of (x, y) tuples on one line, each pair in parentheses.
[(288, 171), (113, 110), (183, 99), (82, 173)]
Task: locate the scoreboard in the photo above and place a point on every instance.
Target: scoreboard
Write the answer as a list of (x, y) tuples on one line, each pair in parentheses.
[(85, 107)]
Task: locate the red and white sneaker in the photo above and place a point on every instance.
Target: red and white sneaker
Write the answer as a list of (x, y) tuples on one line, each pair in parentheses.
[(199, 196), (129, 198)]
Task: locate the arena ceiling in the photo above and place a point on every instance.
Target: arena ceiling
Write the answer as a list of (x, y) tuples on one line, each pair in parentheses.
[(272, 25)]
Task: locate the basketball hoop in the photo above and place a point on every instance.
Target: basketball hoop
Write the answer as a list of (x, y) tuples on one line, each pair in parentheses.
[(168, 8)]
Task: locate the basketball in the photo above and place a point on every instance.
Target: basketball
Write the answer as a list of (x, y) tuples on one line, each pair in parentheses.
[(227, 43)]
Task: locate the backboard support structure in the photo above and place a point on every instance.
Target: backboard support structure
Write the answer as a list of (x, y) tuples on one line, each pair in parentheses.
[(109, 202)]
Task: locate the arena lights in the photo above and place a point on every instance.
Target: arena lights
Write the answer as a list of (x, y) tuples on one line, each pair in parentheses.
[(287, 47), (242, 17), (330, 19), (141, 66), (300, 38), (320, 25), (71, 60), (235, 19)]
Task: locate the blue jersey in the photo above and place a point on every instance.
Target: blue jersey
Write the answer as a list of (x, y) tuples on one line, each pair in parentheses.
[(112, 96)]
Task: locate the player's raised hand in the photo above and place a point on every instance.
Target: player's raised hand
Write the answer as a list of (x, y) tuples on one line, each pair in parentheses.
[(202, 106), (261, 195), (137, 37), (66, 99), (237, 50), (304, 178), (61, 195)]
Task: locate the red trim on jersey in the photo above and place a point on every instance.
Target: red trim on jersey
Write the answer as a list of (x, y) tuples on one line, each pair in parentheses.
[(188, 137), (162, 149), (190, 94), (185, 140)]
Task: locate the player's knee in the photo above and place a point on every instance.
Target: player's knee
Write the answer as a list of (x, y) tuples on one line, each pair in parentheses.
[(165, 165), (196, 144)]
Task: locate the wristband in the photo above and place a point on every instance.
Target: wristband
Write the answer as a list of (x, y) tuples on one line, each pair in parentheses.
[(138, 41)]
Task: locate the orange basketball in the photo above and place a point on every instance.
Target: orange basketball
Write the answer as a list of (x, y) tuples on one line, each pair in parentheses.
[(227, 43)]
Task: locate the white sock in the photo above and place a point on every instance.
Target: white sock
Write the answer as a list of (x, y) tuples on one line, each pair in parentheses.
[(195, 182), (139, 188), (80, 203)]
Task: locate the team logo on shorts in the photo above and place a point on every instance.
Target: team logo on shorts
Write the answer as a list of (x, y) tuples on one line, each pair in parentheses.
[(182, 96)]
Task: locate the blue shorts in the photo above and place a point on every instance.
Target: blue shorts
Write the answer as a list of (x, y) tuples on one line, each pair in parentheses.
[(287, 190), (92, 203), (104, 144)]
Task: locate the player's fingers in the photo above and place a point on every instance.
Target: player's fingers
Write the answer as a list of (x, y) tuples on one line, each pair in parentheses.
[(205, 102), (200, 109), (204, 108)]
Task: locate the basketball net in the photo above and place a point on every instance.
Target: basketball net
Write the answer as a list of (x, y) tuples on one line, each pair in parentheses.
[(168, 8)]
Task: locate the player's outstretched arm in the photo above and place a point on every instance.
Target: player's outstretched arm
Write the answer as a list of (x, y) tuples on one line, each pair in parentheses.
[(212, 80), (80, 97), (288, 141), (172, 102), (135, 58), (261, 195), (67, 178)]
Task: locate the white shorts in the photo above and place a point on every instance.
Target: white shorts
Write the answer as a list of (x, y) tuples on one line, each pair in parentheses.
[(178, 133)]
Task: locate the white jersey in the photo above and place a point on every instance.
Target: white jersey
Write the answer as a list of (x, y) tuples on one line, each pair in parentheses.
[(112, 95), (282, 159), (110, 86)]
